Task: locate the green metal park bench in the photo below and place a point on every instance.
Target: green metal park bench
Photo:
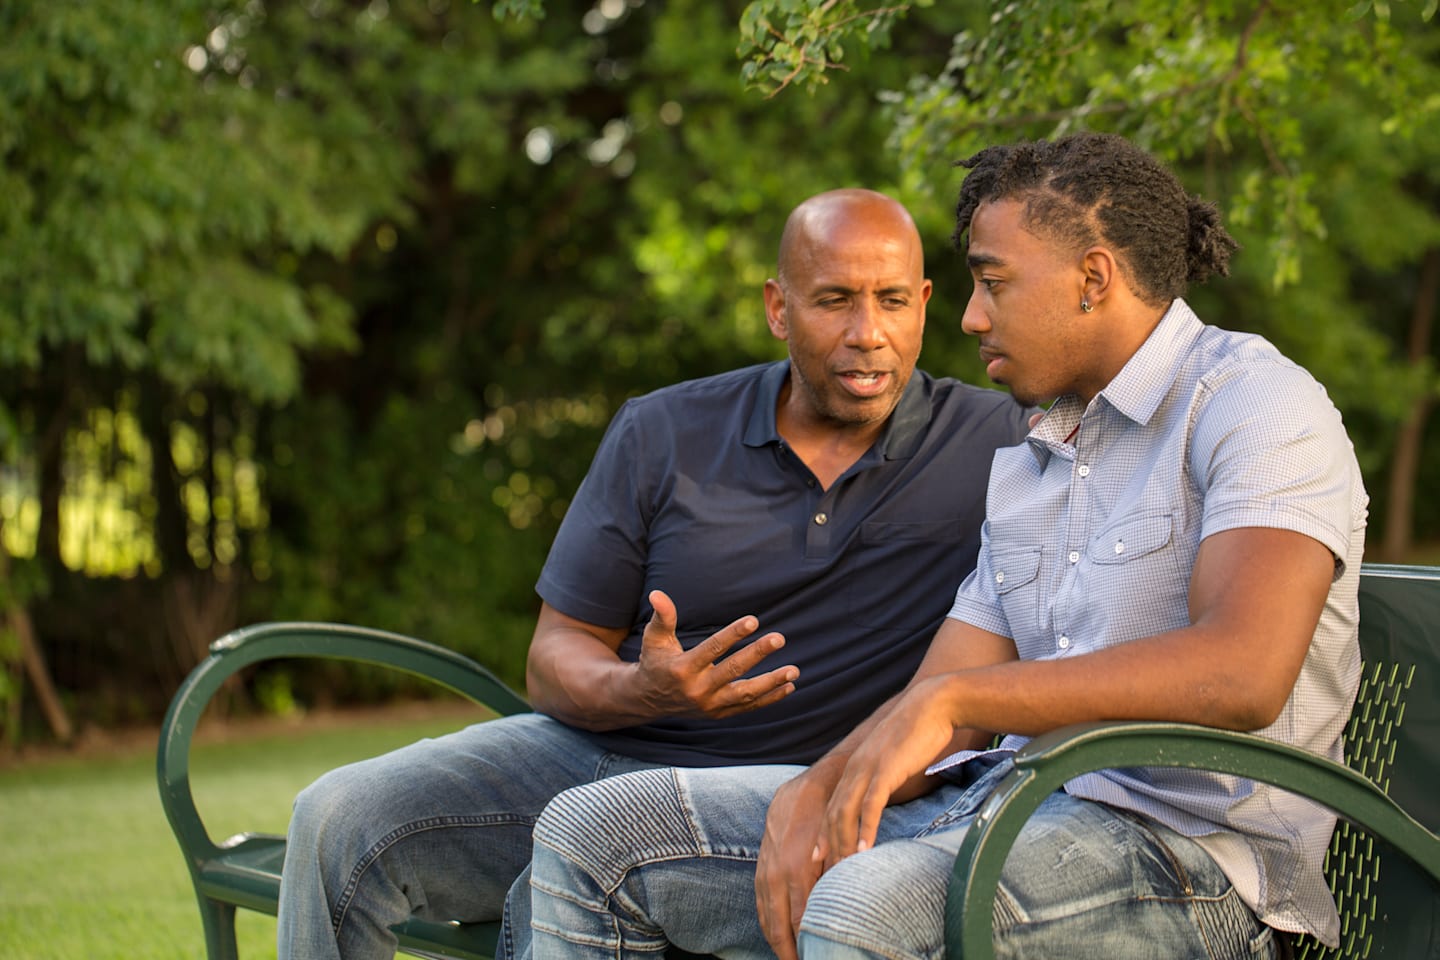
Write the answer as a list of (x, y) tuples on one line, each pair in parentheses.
[(1387, 795)]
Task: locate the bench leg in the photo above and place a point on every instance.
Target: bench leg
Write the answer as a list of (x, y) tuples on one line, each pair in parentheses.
[(219, 920)]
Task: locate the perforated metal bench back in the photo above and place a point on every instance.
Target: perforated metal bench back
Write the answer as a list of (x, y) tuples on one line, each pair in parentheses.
[(1387, 907)]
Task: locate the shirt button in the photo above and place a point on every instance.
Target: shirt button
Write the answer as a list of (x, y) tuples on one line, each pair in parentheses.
[(821, 519), (1084, 470), (1000, 577), (1119, 547), (1064, 643), (1074, 556)]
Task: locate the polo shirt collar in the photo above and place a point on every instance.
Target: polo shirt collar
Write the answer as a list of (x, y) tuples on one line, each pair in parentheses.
[(903, 434)]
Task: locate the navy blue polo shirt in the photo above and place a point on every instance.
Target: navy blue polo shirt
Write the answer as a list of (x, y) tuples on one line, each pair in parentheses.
[(693, 491)]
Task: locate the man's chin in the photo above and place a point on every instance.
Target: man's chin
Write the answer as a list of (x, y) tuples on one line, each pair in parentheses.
[(861, 411)]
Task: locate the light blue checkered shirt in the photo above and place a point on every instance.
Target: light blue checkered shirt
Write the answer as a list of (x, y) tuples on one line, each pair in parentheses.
[(1090, 545)]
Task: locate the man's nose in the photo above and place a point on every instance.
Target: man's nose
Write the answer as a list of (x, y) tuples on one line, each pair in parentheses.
[(866, 330), (974, 321)]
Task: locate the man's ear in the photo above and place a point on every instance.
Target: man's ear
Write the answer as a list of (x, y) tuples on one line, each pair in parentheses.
[(1101, 272), (775, 310)]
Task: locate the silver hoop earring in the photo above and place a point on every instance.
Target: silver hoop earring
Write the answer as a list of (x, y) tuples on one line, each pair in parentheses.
[(1085, 305)]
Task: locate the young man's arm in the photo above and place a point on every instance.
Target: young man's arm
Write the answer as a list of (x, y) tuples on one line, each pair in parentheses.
[(1256, 595), (573, 671)]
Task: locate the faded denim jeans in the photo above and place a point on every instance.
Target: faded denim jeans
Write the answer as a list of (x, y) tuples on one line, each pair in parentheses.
[(624, 866), (439, 829)]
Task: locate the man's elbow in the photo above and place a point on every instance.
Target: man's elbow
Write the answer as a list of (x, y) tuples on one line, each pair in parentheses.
[(1258, 711), (1241, 704)]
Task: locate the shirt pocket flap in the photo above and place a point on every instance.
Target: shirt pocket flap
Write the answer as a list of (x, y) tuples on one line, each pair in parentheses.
[(1015, 568), (1132, 537)]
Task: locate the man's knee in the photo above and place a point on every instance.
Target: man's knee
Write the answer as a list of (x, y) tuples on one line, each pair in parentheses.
[(889, 900), (610, 826), (325, 803)]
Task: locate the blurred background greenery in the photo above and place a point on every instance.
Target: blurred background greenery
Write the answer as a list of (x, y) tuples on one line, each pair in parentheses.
[(316, 309)]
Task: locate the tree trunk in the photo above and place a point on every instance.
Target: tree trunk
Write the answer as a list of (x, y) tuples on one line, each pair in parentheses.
[(32, 659), (1405, 465), (39, 673)]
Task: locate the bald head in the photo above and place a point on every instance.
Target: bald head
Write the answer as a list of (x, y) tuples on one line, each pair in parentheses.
[(827, 218), (849, 300)]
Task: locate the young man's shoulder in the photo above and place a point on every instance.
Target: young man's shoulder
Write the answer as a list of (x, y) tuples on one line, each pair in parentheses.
[(1249, 371)]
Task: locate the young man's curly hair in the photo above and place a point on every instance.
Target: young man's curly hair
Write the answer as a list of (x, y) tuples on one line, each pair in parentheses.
[(1092, 189)]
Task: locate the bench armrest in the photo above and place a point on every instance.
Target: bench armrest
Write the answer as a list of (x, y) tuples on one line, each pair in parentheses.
[(1047, 762), (272, 641)]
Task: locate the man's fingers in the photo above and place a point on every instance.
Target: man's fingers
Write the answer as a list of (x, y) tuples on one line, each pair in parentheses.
[(742, 661), (746, 695), (713, 647), (842, 816), (776, 925)]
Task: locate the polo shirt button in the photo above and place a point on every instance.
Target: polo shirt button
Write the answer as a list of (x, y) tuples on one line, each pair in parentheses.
[(821, 519), (1074, 556), (1084, 470), (1064, 643)]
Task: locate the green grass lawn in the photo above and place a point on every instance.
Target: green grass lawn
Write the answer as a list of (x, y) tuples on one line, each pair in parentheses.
[(89, 868)]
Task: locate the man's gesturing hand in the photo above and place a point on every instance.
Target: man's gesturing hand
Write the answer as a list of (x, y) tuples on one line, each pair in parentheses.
[(673, 681)]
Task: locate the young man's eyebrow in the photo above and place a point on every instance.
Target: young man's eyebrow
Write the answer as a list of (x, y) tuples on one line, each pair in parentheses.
[(983, 260)]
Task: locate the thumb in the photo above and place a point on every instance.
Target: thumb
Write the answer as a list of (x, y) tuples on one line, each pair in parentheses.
[(663, 621)]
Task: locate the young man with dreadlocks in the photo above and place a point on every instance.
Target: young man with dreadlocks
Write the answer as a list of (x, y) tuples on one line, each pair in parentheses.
[(1179, 539)]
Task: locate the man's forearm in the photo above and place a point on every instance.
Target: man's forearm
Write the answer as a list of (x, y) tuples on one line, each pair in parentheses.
[(581, 682)]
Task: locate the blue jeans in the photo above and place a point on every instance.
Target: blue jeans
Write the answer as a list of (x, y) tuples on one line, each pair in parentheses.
[(439, 829), (625, 866)]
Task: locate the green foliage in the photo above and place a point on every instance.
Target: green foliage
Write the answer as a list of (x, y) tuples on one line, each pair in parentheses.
[(784, 42), (147, 211)]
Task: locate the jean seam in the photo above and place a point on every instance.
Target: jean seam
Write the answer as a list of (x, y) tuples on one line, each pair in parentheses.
[(383, 845), (690, 823), (1181, 873)]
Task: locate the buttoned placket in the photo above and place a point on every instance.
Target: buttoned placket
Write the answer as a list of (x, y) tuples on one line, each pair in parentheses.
[(820, 505), (1076, 454)]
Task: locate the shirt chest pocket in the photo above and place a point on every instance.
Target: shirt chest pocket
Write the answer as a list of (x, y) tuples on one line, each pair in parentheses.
[(1016, 574), (1132, 539), (903, 575)]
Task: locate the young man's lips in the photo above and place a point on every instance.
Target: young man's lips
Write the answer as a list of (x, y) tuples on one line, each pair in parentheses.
[(991, 358)]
